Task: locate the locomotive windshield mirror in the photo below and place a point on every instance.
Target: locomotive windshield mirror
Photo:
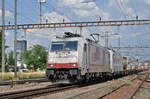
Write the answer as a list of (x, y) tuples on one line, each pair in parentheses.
[(64, 46)]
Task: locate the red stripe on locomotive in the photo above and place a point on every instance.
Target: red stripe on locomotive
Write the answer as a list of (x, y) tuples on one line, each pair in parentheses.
[(63, 65)]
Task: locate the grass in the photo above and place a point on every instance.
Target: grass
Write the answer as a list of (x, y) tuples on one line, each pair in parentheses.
[(147, 96), (7, 76), (128, 83), (21, 76), (113, 85), (93, 97)]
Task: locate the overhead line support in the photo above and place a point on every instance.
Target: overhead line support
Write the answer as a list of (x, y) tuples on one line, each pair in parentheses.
[(79, 24), (40, 12), (15, 40), (3, 36)]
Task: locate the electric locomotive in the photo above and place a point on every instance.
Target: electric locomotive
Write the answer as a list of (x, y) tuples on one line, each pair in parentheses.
[(73, 57)]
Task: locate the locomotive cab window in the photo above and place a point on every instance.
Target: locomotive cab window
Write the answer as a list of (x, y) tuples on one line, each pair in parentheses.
[(71, 45), (57, 46), (64, 46)]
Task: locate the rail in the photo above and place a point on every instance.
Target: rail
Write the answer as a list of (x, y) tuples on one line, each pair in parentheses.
[(137, 89), (5, 83), (33, 92), (110, 92)]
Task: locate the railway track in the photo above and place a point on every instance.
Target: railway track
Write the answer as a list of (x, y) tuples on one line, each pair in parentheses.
[(51, 89), (5, 83), (132, 94), (35, 92), (42, 91), (138, 88), (99, 89)]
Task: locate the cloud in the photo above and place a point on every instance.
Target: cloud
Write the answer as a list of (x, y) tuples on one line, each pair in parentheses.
[(147, 1), (54, 17), (7, 13), (84, 10), (76, 9), (120, 9), (39, 36)]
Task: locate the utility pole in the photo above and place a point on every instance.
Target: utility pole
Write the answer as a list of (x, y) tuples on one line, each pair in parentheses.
[(3, 36), (118, 36), (15, 41), (25, 34), (81, 30), (106, 39), (41, 1), (119, 42), (40, 12)]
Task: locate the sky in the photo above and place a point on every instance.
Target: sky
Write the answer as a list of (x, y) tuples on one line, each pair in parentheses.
[(28, 12)]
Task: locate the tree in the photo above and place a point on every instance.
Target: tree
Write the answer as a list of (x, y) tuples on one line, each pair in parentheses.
[(10, 60), (35, 57)]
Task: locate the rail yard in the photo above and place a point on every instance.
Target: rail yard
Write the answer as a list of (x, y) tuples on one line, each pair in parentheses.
[(98, 89), (74, 49)]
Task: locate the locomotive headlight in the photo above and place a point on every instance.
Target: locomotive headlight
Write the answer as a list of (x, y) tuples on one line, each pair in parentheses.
[(73, 65), (52, 65)]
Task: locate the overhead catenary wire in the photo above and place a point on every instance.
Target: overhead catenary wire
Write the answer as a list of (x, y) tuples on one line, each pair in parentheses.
[(25, 17), (117, 2), (134, 7), (124, 8), (56, 10)]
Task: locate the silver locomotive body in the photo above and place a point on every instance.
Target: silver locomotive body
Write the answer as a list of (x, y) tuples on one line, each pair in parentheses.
[(76, 58), (64, 59)]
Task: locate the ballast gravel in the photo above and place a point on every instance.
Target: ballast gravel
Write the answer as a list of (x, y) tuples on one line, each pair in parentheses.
[(88, 92), (23, 86)]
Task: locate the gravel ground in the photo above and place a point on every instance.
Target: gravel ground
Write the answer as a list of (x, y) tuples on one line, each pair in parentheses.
[(123, 92), (23, 86), (144, 92), (88, 92)]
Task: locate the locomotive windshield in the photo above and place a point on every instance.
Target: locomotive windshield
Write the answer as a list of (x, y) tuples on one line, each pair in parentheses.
[(57, 46), (64, 46)]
